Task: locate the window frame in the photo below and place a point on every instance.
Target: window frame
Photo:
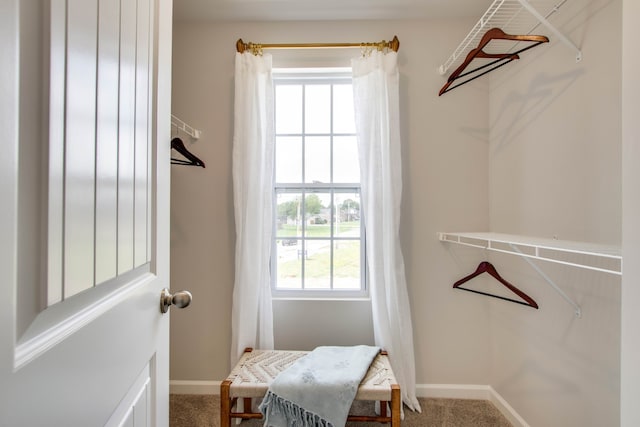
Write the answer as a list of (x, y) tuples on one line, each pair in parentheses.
[(304, 77)]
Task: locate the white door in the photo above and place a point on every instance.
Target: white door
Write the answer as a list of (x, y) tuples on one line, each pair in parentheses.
[(84, 212)]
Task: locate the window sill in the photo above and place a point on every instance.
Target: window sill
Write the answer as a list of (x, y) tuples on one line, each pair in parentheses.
[(322, 298)]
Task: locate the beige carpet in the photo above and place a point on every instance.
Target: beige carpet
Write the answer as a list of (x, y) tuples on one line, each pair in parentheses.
[(202, 411)]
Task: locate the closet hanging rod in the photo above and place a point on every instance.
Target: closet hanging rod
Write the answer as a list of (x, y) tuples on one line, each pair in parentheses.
[(256, 48)]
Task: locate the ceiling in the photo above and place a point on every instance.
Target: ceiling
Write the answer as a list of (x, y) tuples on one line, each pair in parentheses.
[(279, 10)]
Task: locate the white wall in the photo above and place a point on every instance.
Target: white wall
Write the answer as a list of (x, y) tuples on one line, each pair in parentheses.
[(630, 369), (555, 170), (445, 168), (540, 155)]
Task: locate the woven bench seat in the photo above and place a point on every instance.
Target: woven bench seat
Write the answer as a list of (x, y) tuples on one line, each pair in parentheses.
[(255, 370)]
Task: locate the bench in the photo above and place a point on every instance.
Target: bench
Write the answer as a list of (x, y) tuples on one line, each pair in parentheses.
[(255, 370)]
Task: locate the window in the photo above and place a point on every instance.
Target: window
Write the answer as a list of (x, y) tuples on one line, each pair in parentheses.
[(318, 233)]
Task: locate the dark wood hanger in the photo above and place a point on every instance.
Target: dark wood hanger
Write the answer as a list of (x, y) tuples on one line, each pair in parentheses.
[(487, 267), (501, 58), (178, 145)]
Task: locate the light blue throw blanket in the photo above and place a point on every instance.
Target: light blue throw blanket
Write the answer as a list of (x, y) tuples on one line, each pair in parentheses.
[(318, 389)]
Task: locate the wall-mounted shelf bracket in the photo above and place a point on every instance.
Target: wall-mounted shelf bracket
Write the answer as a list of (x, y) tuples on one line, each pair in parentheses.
[(184, 127), (576, 307), (544, 21), (512, 17)]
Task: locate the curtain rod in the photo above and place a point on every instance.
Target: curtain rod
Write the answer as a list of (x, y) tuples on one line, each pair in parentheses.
[(256, 48)]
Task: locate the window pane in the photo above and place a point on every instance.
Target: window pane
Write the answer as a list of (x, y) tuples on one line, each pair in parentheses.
[(347, 218), (317, 107), (288, 109), (317, 264), (318, 210), (318, 241), (346, 167), (288, 159), (289, 217), (346, 264), (317, 157), (289, 267), (343, 117)]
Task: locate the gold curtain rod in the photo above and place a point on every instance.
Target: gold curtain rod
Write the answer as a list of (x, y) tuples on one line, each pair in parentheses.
[(257, 48)]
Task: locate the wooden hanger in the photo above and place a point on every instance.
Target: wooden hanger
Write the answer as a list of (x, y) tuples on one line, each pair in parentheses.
[(178, 145), (501, 58), (487, 267)]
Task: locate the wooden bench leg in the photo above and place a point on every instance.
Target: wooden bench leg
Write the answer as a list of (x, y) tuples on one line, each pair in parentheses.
[(396, 401), (248, 404), (225, 404)]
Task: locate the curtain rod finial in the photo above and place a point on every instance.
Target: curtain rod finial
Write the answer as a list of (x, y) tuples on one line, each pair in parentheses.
[(395, 44), (240, 46)]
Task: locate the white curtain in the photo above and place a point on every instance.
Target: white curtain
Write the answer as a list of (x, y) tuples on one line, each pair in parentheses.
[(376, 104), (253, 151)]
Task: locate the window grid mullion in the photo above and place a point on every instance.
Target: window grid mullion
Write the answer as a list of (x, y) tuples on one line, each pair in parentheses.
[(303, 246), (303, 243), (331, 245), (331, 236)]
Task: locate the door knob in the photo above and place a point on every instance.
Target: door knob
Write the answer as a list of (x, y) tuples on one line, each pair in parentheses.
[(180, 299)]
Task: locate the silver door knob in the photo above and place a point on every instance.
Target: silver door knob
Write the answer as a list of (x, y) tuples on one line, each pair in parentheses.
[(180, 299)]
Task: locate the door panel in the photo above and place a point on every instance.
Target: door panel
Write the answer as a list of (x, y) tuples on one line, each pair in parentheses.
[(126, 147), (55, 159), (79, 150), (84, 254), (141, 169), (106, 138), (134, 410), (105, 178)]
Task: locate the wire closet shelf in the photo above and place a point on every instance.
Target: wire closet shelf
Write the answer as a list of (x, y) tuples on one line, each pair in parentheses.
[(513, 17), (180, 125), (603, 258)]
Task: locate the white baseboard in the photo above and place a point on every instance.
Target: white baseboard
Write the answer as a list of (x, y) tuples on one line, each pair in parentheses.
[(194, 387), (443, 391), (464, 391), (507, 410), (454, 391)]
